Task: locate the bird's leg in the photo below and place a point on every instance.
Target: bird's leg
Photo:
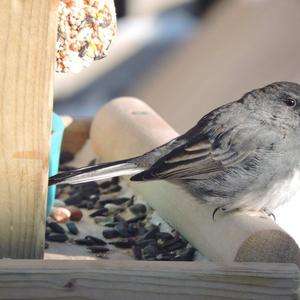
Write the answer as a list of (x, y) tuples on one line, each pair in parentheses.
[(265, 211), (215, 211)]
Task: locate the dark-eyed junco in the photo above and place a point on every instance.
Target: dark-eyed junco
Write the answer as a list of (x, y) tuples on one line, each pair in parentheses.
[(242, 155)]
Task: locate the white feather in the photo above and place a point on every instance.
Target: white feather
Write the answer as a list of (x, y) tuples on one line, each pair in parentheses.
[(106, 172)]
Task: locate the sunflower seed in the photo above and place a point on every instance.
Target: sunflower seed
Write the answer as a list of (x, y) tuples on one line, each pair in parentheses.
[(110, 233), (138, 209), (137, 218), (187, 255), (56, 227), (100, 212), (57, 237), (72, 228)]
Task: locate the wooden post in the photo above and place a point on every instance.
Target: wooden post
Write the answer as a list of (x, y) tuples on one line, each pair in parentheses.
[(126, 280), (27, 38)]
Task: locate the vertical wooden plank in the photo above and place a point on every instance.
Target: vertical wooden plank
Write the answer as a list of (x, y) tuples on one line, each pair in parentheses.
[(27, 52)]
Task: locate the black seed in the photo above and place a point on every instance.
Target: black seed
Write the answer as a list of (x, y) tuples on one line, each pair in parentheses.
[(131, 201), (72, 228), (84, 242), (118, 218), (133, 229), (164, 236), (114, 189), (122, 229), (57, 237), (150, 251), (82, 204), (110, 225), (174, 244), (105, 184), (110, 233), (90, 241), (151, 233), (90, 205), (56, 227), (72, 190), (115, 180), (123, 244), (137, 252), (88, 189), (137, 218), (98, 249), (143, 243), (75, 199), (96, 240), (138, 208), (93, 198), (120, 200), (141, 228), (100, 212), (87, 186), (98, 205), (65, 156), (187, 255)]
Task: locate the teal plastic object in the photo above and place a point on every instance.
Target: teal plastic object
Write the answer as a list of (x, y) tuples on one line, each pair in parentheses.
[(56, 140)]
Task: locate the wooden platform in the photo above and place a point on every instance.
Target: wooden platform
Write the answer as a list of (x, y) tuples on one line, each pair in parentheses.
[(107, 280), (27, 32)]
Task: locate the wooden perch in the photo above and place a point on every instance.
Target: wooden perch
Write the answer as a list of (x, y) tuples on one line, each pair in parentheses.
[(127, 127), (27, 38), (108, 280)]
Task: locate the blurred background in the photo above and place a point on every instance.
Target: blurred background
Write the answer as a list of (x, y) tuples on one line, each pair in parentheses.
[(186, 57)]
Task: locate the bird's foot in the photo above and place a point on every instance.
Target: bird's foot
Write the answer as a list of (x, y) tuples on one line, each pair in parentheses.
[(268, 213), (216, 210)]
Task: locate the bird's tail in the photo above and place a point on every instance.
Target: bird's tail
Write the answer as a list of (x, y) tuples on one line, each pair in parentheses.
[(97, 172)]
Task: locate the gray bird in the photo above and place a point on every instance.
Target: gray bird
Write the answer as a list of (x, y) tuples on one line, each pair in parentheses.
[(242, 155)]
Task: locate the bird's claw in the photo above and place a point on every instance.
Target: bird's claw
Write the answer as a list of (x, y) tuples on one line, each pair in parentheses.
[(216, 210)]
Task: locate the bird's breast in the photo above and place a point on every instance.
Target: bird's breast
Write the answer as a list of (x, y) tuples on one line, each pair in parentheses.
[(276, 193)]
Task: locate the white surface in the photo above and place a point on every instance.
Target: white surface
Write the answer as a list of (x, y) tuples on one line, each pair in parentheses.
[(288, 217)]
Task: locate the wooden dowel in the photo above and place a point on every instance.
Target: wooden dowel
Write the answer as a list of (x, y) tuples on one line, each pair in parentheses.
[(27, 38), (127, 127), (126, 280), (75, 134)]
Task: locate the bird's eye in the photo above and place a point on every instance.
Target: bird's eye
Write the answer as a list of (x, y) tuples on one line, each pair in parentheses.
[(290, 102)]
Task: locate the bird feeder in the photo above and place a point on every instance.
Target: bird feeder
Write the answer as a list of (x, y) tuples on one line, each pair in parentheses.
[(238, 269)]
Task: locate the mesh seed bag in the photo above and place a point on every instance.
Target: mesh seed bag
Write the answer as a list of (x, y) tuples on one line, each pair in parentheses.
[(85, 31)]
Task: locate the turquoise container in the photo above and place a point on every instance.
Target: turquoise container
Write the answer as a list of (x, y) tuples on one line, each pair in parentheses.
[(56, 140)]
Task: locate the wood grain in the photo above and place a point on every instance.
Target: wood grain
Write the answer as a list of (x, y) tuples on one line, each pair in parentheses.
[(27, 38), (146, 280)]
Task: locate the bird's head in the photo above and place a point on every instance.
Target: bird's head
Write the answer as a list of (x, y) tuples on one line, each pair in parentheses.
[(277, 104)]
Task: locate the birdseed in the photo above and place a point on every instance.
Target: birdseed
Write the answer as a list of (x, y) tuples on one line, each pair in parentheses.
[(125, 224), (85, 31)]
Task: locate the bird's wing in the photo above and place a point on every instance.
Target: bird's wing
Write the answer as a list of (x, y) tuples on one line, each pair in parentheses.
[(198, 158)]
